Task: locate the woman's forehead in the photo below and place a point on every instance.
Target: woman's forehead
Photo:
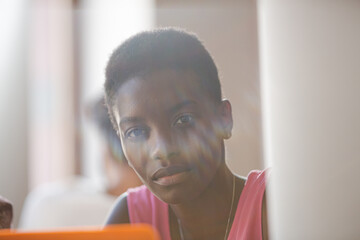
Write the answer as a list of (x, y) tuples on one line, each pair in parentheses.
[(161, 94), (160, 88)]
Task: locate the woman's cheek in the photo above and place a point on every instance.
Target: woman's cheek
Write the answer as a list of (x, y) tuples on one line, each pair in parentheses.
[(193, 146), (134, 155)]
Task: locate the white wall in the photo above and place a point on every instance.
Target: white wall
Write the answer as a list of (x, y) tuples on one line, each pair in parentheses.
[(13, 104), (51, 96), (310, 58)]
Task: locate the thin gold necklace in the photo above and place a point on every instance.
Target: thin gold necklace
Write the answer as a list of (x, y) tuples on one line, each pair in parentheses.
[(228, 221)]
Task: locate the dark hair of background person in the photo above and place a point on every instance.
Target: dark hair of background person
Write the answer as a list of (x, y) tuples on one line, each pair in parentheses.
[(97, 113), (6, 213)]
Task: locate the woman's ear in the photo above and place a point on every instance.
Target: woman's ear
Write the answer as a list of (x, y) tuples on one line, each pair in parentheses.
[(226, 118)]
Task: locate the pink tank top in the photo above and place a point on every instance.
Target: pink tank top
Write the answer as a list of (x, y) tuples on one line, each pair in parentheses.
[(144, 207)]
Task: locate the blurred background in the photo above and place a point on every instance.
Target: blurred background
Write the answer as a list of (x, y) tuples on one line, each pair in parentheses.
[(305, 55)]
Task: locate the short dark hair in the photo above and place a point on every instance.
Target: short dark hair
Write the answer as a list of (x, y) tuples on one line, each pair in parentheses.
[(166, 48)]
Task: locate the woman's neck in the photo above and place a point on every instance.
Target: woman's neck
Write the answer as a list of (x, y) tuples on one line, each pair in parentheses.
[(209, 213)]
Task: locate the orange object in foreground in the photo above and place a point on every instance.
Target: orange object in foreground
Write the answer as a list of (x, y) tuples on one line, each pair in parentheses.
[(115, 232)]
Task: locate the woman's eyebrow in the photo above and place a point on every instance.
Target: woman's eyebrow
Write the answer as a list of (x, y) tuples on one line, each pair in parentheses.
[(130, 120), (180, 105)]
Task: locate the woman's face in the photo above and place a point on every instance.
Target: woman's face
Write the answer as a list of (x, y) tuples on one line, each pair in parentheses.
[(172, 132)]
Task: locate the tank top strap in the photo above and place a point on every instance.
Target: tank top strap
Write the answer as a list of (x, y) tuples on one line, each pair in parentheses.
[(247, 221)]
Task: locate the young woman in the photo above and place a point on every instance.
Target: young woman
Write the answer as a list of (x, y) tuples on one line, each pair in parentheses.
[(164, 98)]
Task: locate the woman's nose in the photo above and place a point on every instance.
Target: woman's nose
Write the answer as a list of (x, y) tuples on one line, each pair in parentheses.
[(164, 147)]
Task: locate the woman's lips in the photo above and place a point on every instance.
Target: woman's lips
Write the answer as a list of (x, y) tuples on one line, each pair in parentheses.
[(172, 179), (171, 175)]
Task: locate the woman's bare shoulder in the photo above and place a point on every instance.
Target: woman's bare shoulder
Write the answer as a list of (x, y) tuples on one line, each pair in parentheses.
[(119, 213)]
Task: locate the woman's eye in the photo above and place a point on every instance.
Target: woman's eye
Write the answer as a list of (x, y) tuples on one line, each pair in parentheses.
[(136, 133), (185, 119)]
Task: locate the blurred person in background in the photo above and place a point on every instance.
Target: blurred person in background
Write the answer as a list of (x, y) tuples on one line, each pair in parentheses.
[(120, 176), (78, 201)]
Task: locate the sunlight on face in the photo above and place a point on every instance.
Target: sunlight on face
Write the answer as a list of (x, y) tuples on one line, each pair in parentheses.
[(172, 133)]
